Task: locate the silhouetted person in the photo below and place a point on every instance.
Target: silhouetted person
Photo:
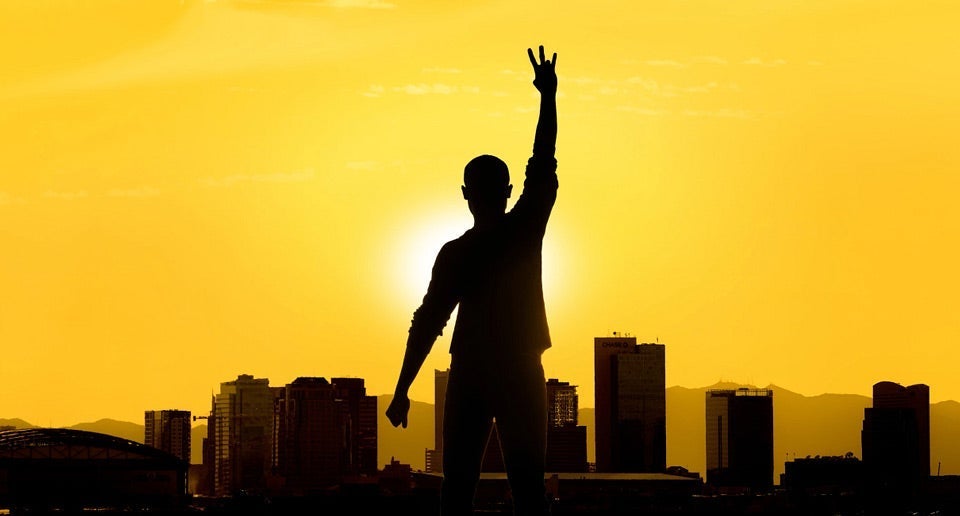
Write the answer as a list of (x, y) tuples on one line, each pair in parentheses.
[(493, 271)]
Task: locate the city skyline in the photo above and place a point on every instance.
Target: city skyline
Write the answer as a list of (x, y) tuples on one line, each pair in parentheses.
[(192, 189), (806, 425)]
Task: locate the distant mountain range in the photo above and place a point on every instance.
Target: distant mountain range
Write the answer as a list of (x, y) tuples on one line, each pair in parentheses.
[(828, 424)]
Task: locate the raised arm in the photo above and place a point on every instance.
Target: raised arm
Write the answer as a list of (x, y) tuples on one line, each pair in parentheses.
[(545, 80)]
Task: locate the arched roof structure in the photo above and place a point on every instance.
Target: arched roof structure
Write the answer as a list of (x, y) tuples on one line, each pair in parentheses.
[(63, 443)]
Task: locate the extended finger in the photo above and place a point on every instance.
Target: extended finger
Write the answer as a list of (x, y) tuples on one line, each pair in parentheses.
[(533, 60), (543, 56), (554, 60)]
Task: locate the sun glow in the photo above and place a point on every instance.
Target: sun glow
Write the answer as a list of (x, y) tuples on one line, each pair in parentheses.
[(420, 241), (419, 246)]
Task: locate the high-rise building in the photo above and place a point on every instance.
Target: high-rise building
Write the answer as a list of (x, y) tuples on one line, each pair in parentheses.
[(895, 438), (434, 457), (739, 437), (308, 444), (566, 440), (168, 430), (359, 411), (631, 408), (242, 416)]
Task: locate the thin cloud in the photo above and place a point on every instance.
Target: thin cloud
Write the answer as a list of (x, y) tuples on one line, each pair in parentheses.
[(359, 4), (375, 90), (742, 114), (363, 165), (665, 62), (424, 89), (448, 71), (643, 111), (581, 80), (280, 177), (650, 85), (710, 60), (9, 200), (703, 88), (65, 196), (143, 191), (435, 89), (756, 61), (340, 4)]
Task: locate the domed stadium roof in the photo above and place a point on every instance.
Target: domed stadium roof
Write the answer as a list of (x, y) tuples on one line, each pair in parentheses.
[(63, 443)]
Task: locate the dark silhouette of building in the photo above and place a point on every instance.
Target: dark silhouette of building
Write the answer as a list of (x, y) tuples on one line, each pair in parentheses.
[(434, 457), (324, 433), (829, 475), (739, 438), (896, 437), (566, 440), (309, 435), (359, 411), (61, 470), (242, 423), (631, 408), (168, 430)]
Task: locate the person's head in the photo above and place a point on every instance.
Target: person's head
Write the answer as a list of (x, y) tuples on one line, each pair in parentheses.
[(486, 187)]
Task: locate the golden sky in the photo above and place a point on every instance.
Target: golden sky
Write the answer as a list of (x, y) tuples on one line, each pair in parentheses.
[(192, 190)]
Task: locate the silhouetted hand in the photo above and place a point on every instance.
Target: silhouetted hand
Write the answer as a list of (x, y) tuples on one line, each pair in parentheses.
[(544, 73), (397, 411)]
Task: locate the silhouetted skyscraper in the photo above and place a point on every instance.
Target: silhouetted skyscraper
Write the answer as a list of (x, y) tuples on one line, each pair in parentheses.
[(434, 457), (566, 441), (359, 411), (243, 438), (896, 436), (309, 435), (168, 430), (739, 437), (631, 408)]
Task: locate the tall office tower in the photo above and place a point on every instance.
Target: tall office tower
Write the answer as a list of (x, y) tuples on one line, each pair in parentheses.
[(206, 484), (739, 437), (360, 413), (309, 435), (631, 405), (434, 457), (566, 441), (896, 435), (168, 430), (243, 438)]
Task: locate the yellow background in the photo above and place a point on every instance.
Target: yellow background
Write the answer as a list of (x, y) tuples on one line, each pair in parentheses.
[(192, 190)]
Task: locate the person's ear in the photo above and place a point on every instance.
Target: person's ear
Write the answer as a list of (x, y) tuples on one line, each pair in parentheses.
[(465, 194)]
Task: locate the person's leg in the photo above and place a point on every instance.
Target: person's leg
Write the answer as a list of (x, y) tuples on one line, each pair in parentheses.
[(466, 425), (522, 422)]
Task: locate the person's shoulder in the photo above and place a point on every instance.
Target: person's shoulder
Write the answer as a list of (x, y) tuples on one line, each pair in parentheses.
[(458, 243)]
